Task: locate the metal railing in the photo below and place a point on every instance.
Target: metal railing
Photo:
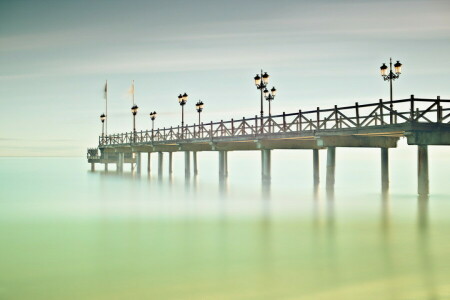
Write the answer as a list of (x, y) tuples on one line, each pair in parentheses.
[(381, 113)]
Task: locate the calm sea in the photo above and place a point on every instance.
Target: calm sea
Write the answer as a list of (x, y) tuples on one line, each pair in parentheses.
[(68, 233)]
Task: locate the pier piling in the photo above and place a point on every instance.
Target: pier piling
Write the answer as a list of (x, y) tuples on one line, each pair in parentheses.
[(384, 170), (187, 164), (316, 167), (194, 156), (138, 163), (170, 163), (160, 164), (422, 168), (149, 165), (331, 167), (265, 165)]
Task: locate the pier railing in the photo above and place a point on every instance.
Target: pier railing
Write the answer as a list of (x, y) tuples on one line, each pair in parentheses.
[(356, 116)]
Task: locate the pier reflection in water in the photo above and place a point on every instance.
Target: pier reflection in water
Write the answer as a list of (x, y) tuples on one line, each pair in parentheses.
[(73, 234)]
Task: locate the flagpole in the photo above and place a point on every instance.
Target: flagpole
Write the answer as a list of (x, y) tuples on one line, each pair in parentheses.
[(106, 107)]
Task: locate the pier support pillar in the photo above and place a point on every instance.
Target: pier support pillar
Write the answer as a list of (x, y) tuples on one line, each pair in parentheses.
[(316, 176), (92, 167), (138, 163), (106, 166), (187, 164), (223, 164), (170, 163), (384, 170), (265, 164), (331, 167), (120, 162), (149, 165), (160, 164), (194, 157), (225, 167), (422, 168)]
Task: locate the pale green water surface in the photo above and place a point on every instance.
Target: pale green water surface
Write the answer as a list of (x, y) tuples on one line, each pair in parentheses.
[(68, 233)]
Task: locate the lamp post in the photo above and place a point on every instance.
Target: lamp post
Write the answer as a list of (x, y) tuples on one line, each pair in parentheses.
[(134, 110), (391, 76), (153, 117), (261, 84), (270, 96), (182, 99), (199, 107), (103, 118)]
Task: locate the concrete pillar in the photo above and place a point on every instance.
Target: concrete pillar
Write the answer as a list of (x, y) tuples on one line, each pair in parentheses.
[(132, 163), (120, 162), (160, 164), (138, 163), (222, 164), (422, 168), (331, 167), (225, 166), (265, 164), (384, 170), (194, 156), (170, 163), (187, 164), (149, 164), (92, 167), (316, 176), (106, 166)]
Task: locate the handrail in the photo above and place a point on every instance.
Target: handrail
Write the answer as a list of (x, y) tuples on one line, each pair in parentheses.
[(355, 116)]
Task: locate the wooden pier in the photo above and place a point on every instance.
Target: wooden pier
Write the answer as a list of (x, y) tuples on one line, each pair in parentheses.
[(423, 122)]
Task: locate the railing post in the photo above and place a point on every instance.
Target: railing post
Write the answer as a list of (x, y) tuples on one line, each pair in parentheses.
[(201, 130), (211, 134), (300, 120), (340, 122), (439, 109), (376, 119), (318, 118), (284, 121), (194, 131), (412, 109), (381, 111), (178, 132), (336, 116), (256, 125), (232, 127), (243, 126), (357, 114), (391, 116)]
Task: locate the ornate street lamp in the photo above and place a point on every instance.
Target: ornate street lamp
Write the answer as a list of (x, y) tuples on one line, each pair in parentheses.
[(199, 107), (182, 99), (103, 118), (134, 110), (391, 75), (153, 117), (261, 84), (270, 96)]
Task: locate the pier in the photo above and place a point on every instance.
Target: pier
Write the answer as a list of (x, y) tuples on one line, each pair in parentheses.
[(423, 122)]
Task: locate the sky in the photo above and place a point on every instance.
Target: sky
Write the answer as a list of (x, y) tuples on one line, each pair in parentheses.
[(56, 55)]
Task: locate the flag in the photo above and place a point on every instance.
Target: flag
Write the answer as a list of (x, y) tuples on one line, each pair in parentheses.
[(131, 91), (105, 95)]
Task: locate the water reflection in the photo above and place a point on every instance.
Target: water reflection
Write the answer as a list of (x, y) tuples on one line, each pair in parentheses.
[(424, 248)]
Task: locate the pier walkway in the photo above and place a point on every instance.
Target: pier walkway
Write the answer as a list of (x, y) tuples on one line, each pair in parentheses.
[(422, 122)]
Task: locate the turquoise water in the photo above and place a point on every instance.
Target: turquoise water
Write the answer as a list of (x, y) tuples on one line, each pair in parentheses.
[(68, 233)]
